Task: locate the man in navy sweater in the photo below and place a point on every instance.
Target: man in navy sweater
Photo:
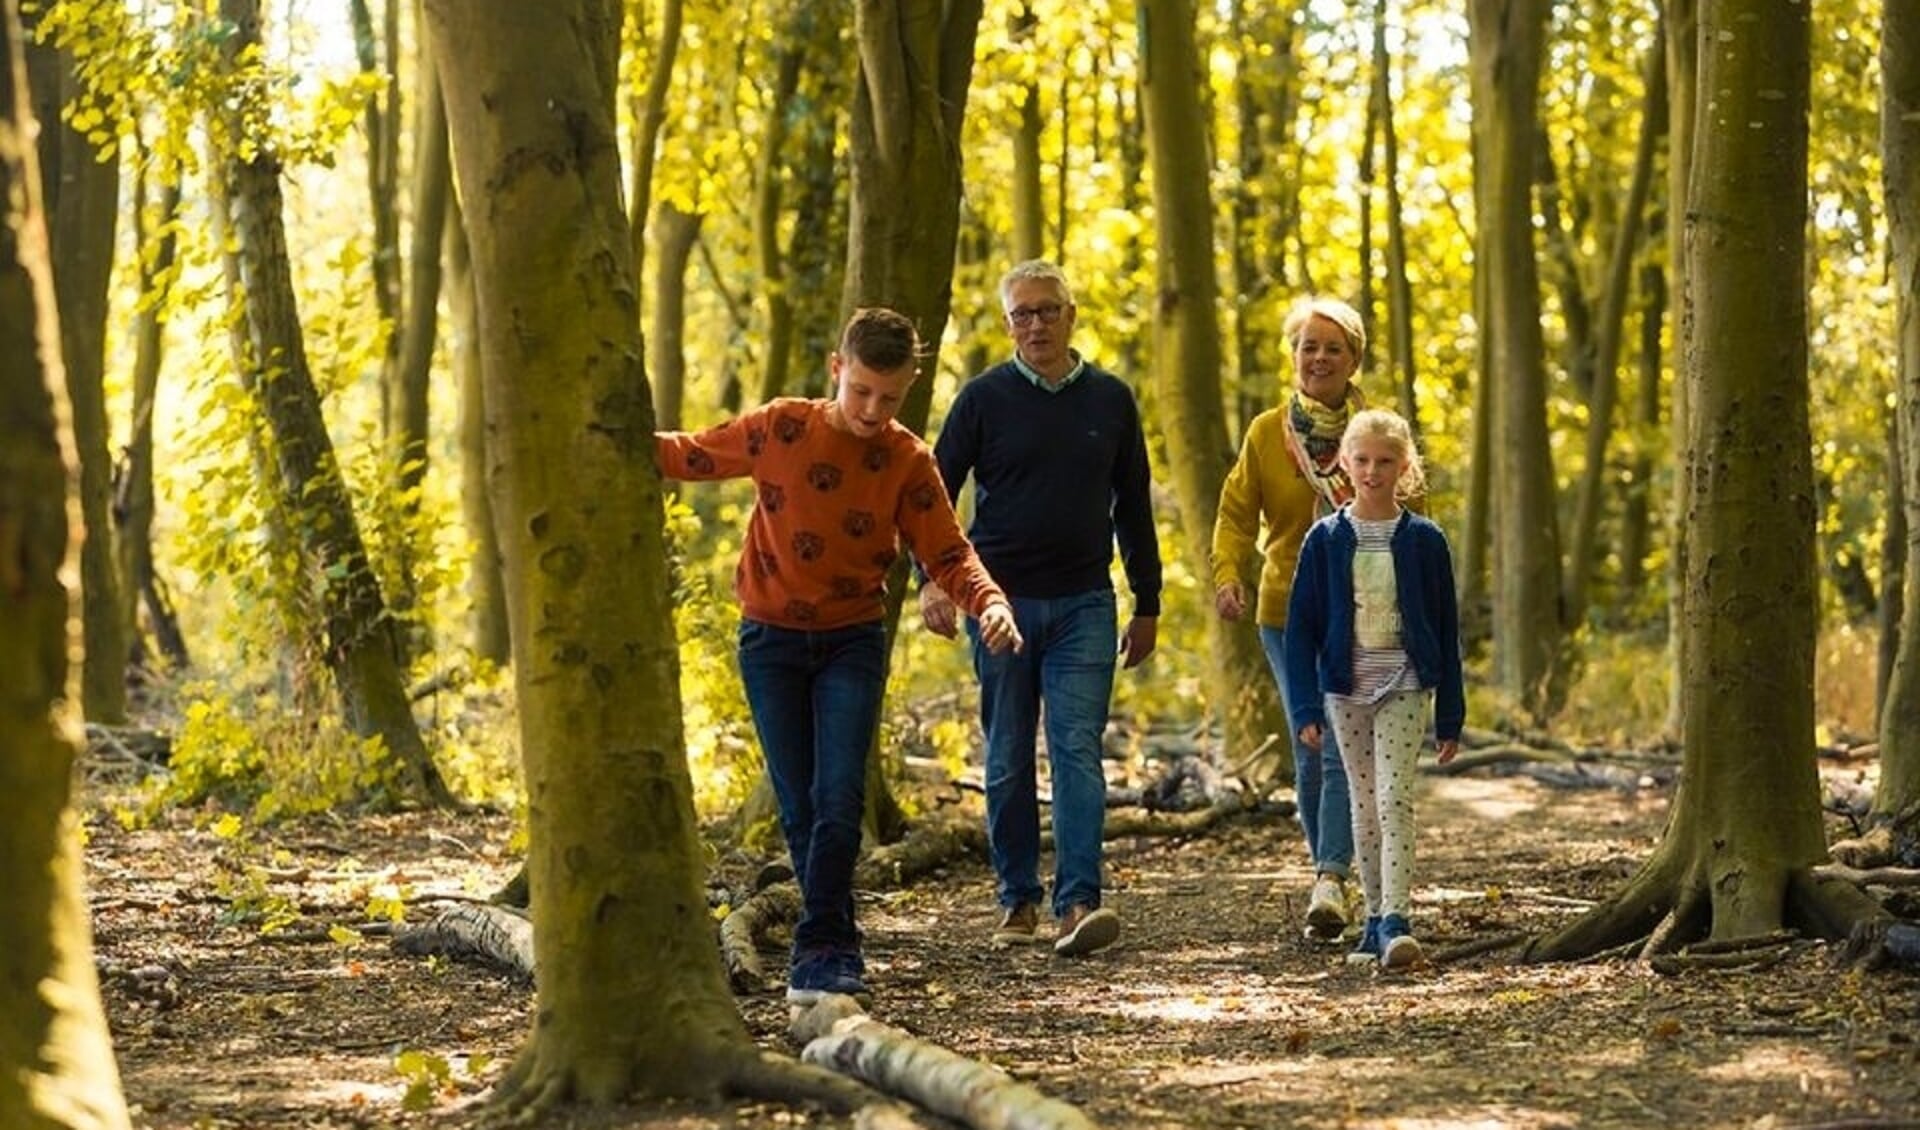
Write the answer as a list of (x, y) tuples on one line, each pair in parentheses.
[(1059, 464)]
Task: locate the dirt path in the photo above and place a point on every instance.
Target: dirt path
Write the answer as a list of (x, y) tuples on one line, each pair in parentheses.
[(1210, 1012)]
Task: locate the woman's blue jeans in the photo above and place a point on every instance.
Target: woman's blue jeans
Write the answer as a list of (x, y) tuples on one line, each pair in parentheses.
[(1067, 668), (815, 698), (1319, 782)]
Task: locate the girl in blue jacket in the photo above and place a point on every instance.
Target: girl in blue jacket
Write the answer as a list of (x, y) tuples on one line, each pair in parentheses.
[(1373, 638)]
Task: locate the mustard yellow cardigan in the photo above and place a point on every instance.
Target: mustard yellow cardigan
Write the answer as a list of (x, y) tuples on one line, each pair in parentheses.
[(1265, 488)]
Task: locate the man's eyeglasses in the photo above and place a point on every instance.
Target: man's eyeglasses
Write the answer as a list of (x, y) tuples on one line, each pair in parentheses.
[(1027, 315)]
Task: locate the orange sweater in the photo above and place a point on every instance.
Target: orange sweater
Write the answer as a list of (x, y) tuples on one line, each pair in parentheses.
[(828, 506)]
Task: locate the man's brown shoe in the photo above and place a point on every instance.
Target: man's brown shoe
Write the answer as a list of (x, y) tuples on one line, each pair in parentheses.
[(1020, 926), (1085, 929)]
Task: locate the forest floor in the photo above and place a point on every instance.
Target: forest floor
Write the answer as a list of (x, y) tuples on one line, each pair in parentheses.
[(1210, 1012)]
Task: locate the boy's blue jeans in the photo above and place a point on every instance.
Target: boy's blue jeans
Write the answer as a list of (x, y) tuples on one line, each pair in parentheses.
[(815, 698), (1319, 782), (1067, 664)]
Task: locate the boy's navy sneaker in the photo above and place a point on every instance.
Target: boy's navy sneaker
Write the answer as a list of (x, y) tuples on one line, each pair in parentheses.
[(817, 973), (1399, 949), (1368, 951)]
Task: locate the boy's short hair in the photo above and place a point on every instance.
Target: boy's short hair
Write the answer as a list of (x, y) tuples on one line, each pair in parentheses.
[(881, 339)]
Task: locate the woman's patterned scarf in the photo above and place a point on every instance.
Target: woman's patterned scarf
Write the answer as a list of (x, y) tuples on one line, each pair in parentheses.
[(1313, 436)]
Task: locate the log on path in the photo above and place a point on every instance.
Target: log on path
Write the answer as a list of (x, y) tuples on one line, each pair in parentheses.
[(743, 929), (840, 1036), (493, 935)]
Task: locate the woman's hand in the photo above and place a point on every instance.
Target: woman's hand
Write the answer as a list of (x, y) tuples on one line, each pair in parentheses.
[(1230, 601)]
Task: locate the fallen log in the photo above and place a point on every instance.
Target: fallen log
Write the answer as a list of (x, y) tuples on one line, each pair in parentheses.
[(494, 935), (1877, 945), (838, 1035), (742, 930)]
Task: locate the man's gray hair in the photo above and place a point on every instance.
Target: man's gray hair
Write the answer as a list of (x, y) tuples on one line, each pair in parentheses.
[(1034, 269)]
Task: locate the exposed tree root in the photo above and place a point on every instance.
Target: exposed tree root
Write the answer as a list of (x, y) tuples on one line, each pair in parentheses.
[(1873, 876), (1746, 958), (1877, 945), (1891, 843), (838, 1034), (1478, 946)]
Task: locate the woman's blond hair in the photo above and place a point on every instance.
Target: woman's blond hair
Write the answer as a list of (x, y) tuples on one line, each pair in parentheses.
[(1386, 424), (1333, 310)]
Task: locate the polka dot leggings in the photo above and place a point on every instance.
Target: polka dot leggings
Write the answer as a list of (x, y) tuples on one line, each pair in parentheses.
[(1379, 743)]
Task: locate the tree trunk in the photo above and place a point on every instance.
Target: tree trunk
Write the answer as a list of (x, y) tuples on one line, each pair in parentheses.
[(1683, 85), (362, 652), (1898, 793), (1187, 365), (674, 234), (1583, 542), (486, 588), (1029, 205), (133, 492), (56, 1057), (916, 67), (81, 194), (382, 122), (1505, 50), (1264, 94), (649, 116), (770, 175), (1399, 336), (1636, 523), (1736, 859), (613, 855)]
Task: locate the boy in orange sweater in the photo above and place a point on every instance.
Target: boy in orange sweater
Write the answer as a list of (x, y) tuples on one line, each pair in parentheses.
[(840, 484)]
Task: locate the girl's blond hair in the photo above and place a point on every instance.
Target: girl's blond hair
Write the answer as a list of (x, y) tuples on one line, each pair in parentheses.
[(1386, 424)]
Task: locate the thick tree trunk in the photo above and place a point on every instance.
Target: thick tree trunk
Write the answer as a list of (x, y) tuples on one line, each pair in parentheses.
[(486, 589), (613, 855), (362, 652), (1187, 357), (1505, 49), (1736, 860), (56, 1058), (82, 199), (1898, 793)]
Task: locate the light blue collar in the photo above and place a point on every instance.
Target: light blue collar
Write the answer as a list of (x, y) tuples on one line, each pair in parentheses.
[(1040, 382)]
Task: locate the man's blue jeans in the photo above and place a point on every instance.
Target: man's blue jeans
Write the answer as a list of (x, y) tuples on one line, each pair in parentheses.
[(1319, 781), (1067, 664), (815, 698)]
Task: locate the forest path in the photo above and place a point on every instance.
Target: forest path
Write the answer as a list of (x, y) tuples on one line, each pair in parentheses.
[(1211, 1011)]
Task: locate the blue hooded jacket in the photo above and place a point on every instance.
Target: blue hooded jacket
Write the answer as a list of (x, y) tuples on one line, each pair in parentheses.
[(1319, 636)]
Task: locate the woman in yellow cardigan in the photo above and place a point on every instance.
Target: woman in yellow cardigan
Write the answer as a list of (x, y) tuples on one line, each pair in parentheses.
[(1288, 474)]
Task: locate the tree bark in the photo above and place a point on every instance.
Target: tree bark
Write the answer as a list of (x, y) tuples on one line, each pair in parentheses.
[(1736, 859), (1898, 794), (382, 123), (81, 195), (56, 1057), (1683, 84), (613, 854), (362, 652), (674, 234), (1188, 362), (486, 588), (1505, 51)]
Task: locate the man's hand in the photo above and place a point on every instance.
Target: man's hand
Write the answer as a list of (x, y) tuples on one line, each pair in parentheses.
[(937, 611), (997, 629), (1136, 643)]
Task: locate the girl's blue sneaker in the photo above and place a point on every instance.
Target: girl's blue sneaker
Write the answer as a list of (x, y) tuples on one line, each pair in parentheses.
[(1368, 951), (1399, 949)]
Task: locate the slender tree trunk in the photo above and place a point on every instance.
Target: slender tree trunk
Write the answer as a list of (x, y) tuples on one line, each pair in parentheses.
[(675, 233), (56, 1057), (1636, 523), (1399, 289), (1264, 94), (382, 124), (769, 193), (1187, 356), (613, 855), (1583, 542), (486, 587), (1897, 796), (362, 652), (133, 493), (82, 199), (1506, 48), (1683, 85), (1029, 205)]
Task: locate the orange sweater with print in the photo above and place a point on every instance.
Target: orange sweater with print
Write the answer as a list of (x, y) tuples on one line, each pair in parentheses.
[(828, 505)]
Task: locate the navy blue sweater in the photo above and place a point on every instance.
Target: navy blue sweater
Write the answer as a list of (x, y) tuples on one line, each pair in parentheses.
[(1319, 647), (1057, 476)]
